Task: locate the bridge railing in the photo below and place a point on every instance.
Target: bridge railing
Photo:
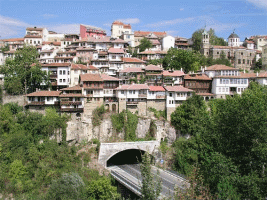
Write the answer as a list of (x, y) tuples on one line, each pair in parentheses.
[(128, 183)]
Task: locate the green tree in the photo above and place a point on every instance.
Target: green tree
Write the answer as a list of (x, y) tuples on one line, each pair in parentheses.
[(69, 186), (102, 189), (151, 186), (191, 117), (258, 65), (144, 44), (185, 59), (23, 73)]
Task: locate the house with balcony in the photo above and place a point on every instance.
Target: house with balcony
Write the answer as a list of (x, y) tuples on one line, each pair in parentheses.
[(115, 56), (151, 55), (173, 77), (64, 56), (59, 74), (226, 80), (40, 100), (175, 96), (89, 31), (156, 97), (261, 78), (72, 99), (85, 54), (100, 60), (131, 75), (77, 69), (133, 63), (153, 75), (133, 97)]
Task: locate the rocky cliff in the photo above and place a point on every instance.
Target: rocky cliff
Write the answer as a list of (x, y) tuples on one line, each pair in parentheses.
[(81, 129)]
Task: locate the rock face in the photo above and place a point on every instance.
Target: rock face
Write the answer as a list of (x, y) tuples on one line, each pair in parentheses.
[(81, 129)]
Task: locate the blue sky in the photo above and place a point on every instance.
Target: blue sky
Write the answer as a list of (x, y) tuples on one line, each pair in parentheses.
[(177, 17)]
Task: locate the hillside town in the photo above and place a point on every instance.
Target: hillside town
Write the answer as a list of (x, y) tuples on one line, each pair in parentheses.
[(91, 69)]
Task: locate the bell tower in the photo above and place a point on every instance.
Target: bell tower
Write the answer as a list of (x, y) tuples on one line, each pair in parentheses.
[(205, 43)]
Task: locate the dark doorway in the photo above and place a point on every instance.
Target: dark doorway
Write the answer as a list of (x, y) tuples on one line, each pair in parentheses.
[(130, 156), (113, 107)]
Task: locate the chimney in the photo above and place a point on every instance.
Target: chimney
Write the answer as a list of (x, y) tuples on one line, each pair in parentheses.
[(181, 69), (49, 89), (201, 67), (36, 89), (205, 67), (244, 71), (257, 74)]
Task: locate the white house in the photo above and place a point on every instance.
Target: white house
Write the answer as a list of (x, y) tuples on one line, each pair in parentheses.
[(168, 42)]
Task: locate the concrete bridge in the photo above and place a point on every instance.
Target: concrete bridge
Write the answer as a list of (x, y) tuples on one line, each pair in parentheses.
[(109, 150)]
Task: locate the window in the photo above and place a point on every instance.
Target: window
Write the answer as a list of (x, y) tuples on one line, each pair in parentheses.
[(219, 89), (75, 71), (60, 72), (60, 80), (113, 57), (64, 72), (68, 72), (134, 92), (218, 52), (241, 53), (64, 80), (170, 94), (122, 92), (244, 61), (49, 98), (239, 61), (248, 62)]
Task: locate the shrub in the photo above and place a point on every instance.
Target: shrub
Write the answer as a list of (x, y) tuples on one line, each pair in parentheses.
[(98, 115)]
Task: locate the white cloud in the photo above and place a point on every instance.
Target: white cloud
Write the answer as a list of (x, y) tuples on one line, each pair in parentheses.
[(130, 20), (65, 28), (170, 22), (181, 9), (11, 27), (172, 32), (48, 16), (259, 3)]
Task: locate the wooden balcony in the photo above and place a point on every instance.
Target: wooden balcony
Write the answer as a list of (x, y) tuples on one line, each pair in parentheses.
[(131, 102), (160, 97), (53, 76), (142, 95), (36, 103), (71, 109), (68, 103)]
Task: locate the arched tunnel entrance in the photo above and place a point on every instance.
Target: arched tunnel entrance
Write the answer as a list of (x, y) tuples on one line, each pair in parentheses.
[(129, 156)]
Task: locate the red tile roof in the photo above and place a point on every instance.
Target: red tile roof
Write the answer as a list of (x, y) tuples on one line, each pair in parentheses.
[(91, 77), (32, 36), (262, 75), (220, 67), (156, 88), (56, 65), (128, 26), (145, 33), (133, 87), (196, 77), (173, 73), (34, 29), (132, 69), (177, 89), (249, 42), (153, 52), (106, 77), (117, 23), (153, 68), (82, 67), (71, 95), (76, 87), (54, 43), (155, 42), (228, 47), (118, 41), (44, 94), (13, 40), (132, 60), (115, 50)]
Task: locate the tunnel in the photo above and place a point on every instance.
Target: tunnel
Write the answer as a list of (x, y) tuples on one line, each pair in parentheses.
[(129, 156)]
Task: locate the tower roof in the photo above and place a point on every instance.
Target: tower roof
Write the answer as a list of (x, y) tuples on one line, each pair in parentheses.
[(233, 35)]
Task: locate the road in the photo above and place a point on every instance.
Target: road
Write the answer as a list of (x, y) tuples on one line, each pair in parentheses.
[(130, 176)]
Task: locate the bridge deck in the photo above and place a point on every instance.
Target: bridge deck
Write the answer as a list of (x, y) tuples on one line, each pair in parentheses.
[(130, 176)]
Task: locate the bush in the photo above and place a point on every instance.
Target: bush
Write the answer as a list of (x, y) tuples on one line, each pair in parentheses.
[(98, 115), (158, 113), (97, 142)]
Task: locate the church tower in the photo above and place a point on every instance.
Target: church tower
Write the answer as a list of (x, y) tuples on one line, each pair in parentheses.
[(205, 43)]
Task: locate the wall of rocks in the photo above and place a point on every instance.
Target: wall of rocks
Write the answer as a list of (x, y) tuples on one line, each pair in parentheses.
[(81, 129)]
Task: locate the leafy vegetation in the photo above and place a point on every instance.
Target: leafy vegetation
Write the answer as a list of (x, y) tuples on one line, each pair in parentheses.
[(98, 115), (158, 113), (125, 121), (227, 143), (214, 40), (185, 59), (23, 73), (144, 44), (151, 186), (35, 167)]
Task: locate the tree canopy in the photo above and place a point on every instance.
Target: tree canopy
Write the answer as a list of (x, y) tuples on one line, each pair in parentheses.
[(228, 143), (144, 44), (214, 39), (23, 71), (186, 59)]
